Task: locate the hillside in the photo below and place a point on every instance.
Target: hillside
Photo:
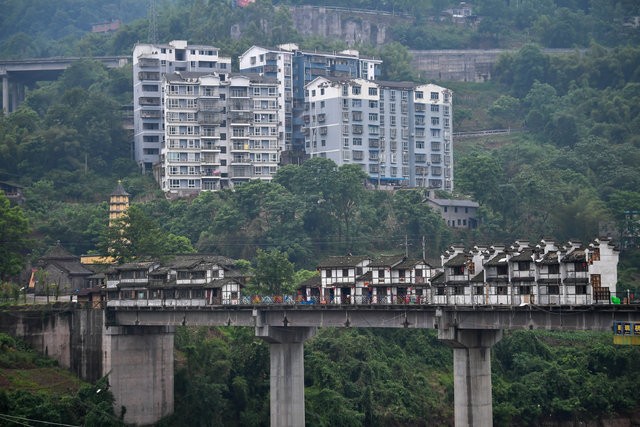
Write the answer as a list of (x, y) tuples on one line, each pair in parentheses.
[(34, 389)]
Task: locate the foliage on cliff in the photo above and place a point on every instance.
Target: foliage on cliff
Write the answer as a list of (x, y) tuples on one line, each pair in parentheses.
[(33, 391), (357, 377)]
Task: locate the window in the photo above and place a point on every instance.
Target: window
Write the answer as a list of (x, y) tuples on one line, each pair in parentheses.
[(328, 273), (373, 91), (553, 269), (524, 290), (553, 290), (434, 96), (381, 273), (435, 108), (596, 280), (345, 272), (419, 94), (503, 270), (501, 290), (356, 90), (581, 266), (479, 290), (458, 290), (594, 255), (523, 265), (458, 270), (440, 290), (581, 289)]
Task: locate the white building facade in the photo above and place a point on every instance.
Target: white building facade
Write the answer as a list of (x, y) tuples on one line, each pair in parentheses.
[(398, 132), (151, 62), (294, 68), (220, 130)]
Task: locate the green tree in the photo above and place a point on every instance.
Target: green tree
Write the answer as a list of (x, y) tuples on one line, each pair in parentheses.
[(273, 272), (136, 235), (14, 241), (396, 65)]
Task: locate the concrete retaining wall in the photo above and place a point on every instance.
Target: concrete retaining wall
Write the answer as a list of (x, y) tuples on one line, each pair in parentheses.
[(64, 333)]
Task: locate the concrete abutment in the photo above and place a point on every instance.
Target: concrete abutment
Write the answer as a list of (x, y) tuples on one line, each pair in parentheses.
[(138, 361), (473, 399), (286, 354)]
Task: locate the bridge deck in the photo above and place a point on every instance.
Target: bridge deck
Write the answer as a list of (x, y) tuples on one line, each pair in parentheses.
[(596, 318)]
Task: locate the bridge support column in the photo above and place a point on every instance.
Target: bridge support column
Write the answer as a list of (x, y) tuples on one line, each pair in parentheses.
[(286, 353), (139, 363), (5, 94), (473, 405)]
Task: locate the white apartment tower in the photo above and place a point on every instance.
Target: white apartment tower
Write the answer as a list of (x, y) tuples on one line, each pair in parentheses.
[(294, 68), (220, 130), (398, 132), (150, 63)]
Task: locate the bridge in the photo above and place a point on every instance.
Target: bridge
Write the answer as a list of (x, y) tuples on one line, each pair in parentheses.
[(18, 75), (141, 345)]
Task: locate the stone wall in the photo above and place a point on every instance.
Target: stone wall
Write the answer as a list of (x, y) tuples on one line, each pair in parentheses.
[(352, 26), (69, 335)]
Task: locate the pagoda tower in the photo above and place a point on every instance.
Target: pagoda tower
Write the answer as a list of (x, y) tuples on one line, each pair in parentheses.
[(118, 203)]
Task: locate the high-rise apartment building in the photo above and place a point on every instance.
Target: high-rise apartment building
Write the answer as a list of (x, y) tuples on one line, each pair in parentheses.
[(150, 63), (220, 130), (398, 132), (294, 68)]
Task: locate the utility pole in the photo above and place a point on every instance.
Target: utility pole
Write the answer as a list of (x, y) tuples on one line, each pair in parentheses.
[(153, 23)]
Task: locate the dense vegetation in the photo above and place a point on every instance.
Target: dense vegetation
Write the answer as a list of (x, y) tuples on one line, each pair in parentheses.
[(555, 24), (569, 170), (34, 391), (403, 377)]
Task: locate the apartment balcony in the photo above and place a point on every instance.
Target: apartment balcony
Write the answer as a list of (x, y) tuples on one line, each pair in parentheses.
[(210, 160), (209, 118), (148, 76), (150, 114), (241, 117), (241, 160), (239, 105), (209, 146), (148, 100), (209, 133), (210, 105), (148, 62)]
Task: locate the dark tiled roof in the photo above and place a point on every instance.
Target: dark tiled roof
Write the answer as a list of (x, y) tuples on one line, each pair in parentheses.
[(576, 255), (499, 259), (457, 261), (550, 258), (410, 263), (342, 261), (60, 253), (312, 282), (438, 278), (524, 255), (73, 267), (119, 191), (478, 277), (455, 203), (387, 261)]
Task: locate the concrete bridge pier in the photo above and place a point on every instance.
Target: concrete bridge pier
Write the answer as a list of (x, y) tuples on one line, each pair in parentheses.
[(138, 361), (286, 353), (5, 94), (473, 404)]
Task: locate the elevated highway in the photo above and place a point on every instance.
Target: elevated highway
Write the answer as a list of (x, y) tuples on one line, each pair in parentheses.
[(19, 75), (470, 331)]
